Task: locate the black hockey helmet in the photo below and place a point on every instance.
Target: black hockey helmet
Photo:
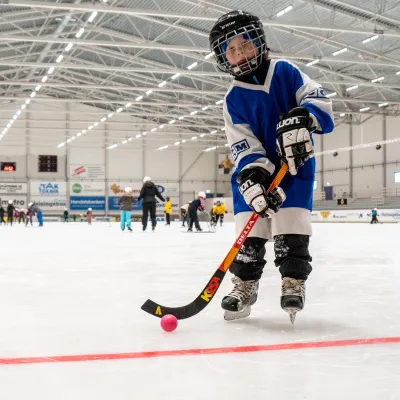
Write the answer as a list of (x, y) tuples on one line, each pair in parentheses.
[(233, 24)]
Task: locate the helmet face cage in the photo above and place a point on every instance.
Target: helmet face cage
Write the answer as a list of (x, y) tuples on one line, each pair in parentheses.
[(253, 34)]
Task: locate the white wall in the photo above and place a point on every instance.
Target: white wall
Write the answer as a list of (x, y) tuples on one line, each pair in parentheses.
[(363, 168), (38, 132)]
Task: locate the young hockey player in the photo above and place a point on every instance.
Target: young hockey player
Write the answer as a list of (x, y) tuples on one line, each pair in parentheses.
[(126, 202), (66, 215), (168, 211), (10, 212), (2, 213), (196, 204), (374, 219), (185, 214), (36, 210), (89, 214), (21, 216), (28, 217), (218, 212), (270, 103)]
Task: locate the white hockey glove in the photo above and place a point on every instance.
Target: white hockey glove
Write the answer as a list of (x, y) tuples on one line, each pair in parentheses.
[(253, 184), (294, 140)]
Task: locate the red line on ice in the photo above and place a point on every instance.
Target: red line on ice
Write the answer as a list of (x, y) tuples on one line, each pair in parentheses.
[(192, 352)]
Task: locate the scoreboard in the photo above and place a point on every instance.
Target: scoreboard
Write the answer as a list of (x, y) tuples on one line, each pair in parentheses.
[(7, 166), (47, 164)]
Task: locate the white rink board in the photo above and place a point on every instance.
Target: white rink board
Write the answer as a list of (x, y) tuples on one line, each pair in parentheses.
[(384, 215)]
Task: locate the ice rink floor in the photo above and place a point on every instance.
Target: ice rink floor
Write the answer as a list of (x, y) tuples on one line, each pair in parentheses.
[(72, 328)]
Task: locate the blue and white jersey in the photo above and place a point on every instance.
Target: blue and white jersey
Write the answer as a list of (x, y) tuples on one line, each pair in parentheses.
[(251, 114)]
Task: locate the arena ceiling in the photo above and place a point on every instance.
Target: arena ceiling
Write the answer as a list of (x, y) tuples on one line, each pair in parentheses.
[(150, 59)]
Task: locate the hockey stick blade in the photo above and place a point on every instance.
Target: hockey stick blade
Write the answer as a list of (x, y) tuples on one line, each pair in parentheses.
[(208, 292)]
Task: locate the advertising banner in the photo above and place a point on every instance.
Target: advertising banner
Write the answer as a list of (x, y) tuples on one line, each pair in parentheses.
[(87, 189), (384, 215), (96, 203), (87, 171), (48, 188), (13, 188), (18, 200), (50, 203), (117, 189)]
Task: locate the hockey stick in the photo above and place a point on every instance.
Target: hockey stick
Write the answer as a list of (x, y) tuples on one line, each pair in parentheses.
[(207, 294)]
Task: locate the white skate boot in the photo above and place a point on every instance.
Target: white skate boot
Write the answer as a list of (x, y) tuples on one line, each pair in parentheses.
[(293, 296), (237, 304)]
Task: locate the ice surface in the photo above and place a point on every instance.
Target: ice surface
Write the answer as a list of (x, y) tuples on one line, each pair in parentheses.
[(76, 289)]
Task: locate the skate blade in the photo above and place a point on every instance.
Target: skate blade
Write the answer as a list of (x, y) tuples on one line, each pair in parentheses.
[(234, 315), (292, 314)]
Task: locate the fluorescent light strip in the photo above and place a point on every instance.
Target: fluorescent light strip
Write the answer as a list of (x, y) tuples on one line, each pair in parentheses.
[(209, 55), (381, 78), (148, 92), (103, 119), (37, 88), (194, 112), (349, 89), (181, 118), (331, 94), (383, 104), (284, 11), (139, 98), (204, 108), (191, 66), (162, 84), (80, 32), (161, 126), (172, 121), (313, 62), (92, 16), (175, 76), (51, 70), (119, 110), (127, 105), (370, 39), (365, 109), (342, 114), (336, 53), (59, 59), (219, 102), (69, 47), (44, 79)]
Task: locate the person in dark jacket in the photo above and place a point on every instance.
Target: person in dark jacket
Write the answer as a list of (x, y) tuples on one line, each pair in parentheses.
[(21, 216), (66, 215), (126, 202), (10, 212), (196, 204), (2, 213), (148, 194), (28, 217)]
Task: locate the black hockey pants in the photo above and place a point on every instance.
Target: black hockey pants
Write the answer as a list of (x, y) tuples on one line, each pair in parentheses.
[(149, 207), (291, 257)]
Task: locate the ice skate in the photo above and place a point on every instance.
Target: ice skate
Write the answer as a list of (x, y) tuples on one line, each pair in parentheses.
[(293, 296), (130, 229), (237, 304)]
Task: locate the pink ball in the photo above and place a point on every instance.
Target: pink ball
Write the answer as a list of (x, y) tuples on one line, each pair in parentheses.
[(169, 323)]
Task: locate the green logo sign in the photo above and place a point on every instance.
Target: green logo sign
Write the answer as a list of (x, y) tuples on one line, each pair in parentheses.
[(77, 188)]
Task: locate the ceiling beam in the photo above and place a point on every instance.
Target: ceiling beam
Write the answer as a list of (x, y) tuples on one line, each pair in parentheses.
[(106, 9), (166, 89)]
